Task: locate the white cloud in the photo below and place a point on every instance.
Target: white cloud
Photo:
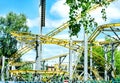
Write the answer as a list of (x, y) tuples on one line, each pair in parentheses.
[(60, 9), (33, 22), (112, 12), (63, 36), (2, 15), (50, 23), (29, 56), (98, 17), (54, 23), (48, 50)]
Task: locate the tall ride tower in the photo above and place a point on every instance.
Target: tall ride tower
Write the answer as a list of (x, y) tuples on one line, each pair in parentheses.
[(39, 43)]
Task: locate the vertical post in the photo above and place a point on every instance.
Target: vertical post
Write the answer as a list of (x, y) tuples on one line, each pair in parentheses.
[(70, 59), (42, 4), (85, 56), (113, 59), (12, 68), (38, 56), (3, 66), (105, 56), (60, 63), (91, 60), (34, 64), (42, 23), (7, 71), (43, 65)]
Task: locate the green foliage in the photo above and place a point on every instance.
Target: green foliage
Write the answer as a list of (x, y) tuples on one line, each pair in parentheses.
[(26, 76), (26, 67), (117, 62), (98, 56), (86, 20), (99, 50), (12, 22)]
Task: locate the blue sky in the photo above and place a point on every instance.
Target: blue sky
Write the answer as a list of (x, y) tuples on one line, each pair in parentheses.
[(56, 15), (27, 7), (54, 18)]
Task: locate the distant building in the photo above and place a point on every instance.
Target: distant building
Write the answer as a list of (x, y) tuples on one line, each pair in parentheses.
[(50, 68)]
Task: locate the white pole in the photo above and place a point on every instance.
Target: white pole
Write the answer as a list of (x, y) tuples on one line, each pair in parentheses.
[(113, 59), (105, 72), (7, 71), (85, 57), (70, 59), (39, 52), (3, 66)]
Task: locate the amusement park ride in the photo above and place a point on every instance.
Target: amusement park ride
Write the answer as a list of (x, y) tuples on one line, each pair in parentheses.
[(98, 68)]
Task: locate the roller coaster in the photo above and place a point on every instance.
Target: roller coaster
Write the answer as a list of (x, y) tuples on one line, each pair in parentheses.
[(99, 67)]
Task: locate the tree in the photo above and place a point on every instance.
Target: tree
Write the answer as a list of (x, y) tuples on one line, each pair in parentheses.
[(86, 21), (12, 22)]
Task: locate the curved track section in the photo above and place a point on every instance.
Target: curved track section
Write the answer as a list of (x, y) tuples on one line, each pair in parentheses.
[(100, 28)]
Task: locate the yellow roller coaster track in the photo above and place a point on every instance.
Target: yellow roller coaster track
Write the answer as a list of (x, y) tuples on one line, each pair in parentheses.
[(53, 41), (65, 43), (38, 71), (54, 57), (99, 29), (45, 59), (28, 39), (65, 25)]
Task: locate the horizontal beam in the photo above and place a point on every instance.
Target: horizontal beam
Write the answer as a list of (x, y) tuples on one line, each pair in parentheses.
[(58, 56), (37, 71)]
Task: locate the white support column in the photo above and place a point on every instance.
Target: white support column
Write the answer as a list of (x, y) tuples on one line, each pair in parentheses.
[(12, 68), (85, 57), (113, 59), (60, 63), (38, 65), (70, 59), (105, 55), (2, 70), (39, 48), (7, 71), (34, 64)]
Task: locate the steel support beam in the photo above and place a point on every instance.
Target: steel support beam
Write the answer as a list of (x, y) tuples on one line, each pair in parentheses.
[(113, 59), (42, 17), (61, 59), (7, 71), (60, 62), (2, 70), (115, 33), (105, 56), (43, 65), (38, 55), (70, 59), (85, 57)]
